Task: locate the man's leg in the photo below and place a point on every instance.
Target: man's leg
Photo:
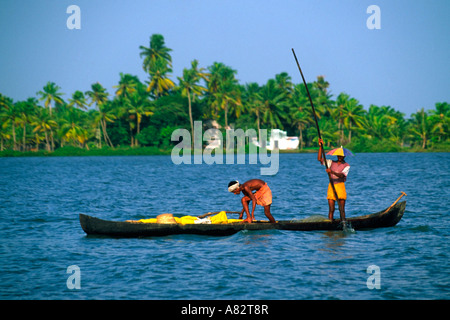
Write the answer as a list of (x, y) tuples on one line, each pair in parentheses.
[(268, 214), (245, 203), (331, 207), (342, 204)]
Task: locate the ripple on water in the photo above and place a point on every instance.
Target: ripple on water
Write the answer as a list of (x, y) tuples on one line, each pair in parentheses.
[(41, 235)]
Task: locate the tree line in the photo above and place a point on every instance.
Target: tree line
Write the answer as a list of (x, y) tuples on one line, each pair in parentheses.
[(146, 113)]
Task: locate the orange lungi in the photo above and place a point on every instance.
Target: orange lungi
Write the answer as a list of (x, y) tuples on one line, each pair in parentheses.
[(263, 196)]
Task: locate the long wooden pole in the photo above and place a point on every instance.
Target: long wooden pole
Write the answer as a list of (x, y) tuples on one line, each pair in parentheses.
[(341, 211)]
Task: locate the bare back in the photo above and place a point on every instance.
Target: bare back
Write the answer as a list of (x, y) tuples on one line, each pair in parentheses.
[(253, 184)]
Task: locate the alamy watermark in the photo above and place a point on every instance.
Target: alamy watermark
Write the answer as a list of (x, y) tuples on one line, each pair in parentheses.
[(74, 20), (74, 280), (213, 152), (374, 280), (374, 20)]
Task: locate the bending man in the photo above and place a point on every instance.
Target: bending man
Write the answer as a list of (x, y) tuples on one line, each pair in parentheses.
[(262, 196)]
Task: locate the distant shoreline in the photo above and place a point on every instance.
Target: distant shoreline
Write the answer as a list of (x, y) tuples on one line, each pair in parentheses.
[(154, 151)]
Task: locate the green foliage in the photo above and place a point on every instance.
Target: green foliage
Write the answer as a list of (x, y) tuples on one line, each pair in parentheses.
[(365, 144), (139, 117), (149, 136)]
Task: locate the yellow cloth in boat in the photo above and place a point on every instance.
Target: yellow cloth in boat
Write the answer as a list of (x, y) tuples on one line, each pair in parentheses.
[(186, 220), (219, 218), (152, 220)]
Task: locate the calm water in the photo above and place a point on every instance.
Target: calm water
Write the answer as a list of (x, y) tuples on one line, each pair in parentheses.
[(40, 199)]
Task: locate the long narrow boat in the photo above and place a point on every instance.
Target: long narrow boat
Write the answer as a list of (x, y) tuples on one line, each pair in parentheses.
[(95, 226)]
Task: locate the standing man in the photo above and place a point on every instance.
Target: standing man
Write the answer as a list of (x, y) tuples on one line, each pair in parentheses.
[(339, 170), (262, 196)]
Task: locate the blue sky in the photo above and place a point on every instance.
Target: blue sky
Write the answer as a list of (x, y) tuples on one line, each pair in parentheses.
[(405, 64)]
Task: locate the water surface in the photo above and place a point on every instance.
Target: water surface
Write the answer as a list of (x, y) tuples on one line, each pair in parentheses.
[(41, 236)]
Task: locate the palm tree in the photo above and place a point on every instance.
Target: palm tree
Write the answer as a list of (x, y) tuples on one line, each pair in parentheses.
[(157, 50), (338, 114), (329, 131), (127, 85), (396, 126), (157, 63), (3, 135), (26, 110), (233, 101), (223, 90), (189, 85), (131, 104), (50, 93), (284, 83), (11, 116), (380, 122), (274, 102), (43, 122), (159, 83), (301, 119), (71, 129), (441, 118), (6, 117), (100, 119), (321, 97), (420, 126), (253, 102), (322, 85), (300, 116), (214, 83), (200, 73), (138, 106), (353, 116), (99, 96), (301, 110), (5, 102), (78, 100)]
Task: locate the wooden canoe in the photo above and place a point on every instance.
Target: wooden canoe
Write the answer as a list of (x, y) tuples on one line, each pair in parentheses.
[(95, 226)]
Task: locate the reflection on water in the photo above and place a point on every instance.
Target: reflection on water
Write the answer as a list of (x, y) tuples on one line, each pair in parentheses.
[(260, 239), (333, 240)]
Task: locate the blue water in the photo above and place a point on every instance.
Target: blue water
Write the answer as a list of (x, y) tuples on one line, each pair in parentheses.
[(40, 235)]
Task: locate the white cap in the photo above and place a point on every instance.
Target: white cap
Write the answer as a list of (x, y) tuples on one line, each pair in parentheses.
[(233, 187)]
